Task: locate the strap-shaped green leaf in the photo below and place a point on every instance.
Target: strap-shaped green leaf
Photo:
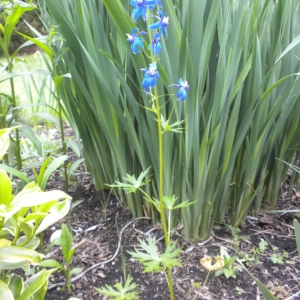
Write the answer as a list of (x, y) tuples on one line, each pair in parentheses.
[(297, 235)]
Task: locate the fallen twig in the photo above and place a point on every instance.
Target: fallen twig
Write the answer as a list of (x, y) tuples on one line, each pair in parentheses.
[(52, 286)]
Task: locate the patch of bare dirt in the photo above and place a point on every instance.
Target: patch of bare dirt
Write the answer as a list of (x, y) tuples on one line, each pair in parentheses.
[(104, 231)]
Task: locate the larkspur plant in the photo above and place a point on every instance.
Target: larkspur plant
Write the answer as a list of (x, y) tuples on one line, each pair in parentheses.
[(151, 260), (241, 110), (239, 107)]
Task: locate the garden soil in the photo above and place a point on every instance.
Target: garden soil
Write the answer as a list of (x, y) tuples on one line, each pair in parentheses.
[(104, 231)]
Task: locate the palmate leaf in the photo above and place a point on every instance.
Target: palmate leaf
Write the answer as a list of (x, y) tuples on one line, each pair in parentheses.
[(127, 292), (169, 202), (152, 261), (134, 183), (155, 202), (174, 127)]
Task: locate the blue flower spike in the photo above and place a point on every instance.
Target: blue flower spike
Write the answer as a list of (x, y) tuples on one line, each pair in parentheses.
[(184, 88), (161, 24), (150, 77), (140, 8), (135, 40), (156, 46)]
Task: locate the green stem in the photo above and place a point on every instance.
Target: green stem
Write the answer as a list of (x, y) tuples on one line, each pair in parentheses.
[(169, 224), (16, 237), (160, 150), (206, 278), (146, 195), (64, 146), (42, 243), (2, 125), (14, 104), (161, 204)]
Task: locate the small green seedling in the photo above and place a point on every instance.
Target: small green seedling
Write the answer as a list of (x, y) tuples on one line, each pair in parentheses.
[(278, 258), (65, 240), (237, 238), (262, 246), (239, 290), (47, 168), (230, 267), (254, 260), (128, 292)]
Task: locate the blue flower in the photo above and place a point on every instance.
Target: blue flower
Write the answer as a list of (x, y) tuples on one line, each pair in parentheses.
[(158, 2), (140, 8), (150, 77), (156, 46), (135, 40), (161, 25), (184, 88)]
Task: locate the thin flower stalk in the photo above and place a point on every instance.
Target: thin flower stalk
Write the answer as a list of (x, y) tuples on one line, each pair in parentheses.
[(160, 150)]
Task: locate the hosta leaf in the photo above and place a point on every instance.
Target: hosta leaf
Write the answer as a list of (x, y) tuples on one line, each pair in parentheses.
[(36, 284), (32, 244), (5, 189), (16, 285), (34, 197), (57, 212), (4, 242), (5, 292), (4, 140), (16, 257)]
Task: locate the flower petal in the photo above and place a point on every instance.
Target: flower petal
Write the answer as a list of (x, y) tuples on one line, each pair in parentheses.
[(181, 95), (150, 77)]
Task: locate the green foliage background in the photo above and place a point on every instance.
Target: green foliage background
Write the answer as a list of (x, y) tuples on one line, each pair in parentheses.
[(241, 60), (31, 17)]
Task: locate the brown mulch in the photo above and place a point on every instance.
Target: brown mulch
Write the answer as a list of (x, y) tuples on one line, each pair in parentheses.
[(99, 219)]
